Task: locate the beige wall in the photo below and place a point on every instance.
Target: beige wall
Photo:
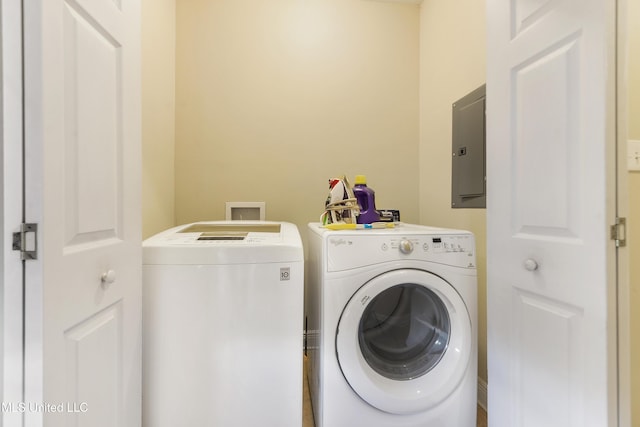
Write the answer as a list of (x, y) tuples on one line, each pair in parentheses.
[(272, 103), (276, 97), (452, 63), (634, 199), (158, 115)]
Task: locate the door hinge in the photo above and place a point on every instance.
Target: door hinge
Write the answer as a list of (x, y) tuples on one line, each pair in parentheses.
[(26, 241), (619, 232)]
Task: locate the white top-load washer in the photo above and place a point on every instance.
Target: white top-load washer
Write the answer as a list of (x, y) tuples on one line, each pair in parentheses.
[(223, 325), (391, 318)]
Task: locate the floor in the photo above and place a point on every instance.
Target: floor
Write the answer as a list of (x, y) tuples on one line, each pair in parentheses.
[(307, 416), (307, 413)]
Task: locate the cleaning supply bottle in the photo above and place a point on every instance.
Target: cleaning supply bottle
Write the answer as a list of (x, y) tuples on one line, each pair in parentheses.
[(366, 200)]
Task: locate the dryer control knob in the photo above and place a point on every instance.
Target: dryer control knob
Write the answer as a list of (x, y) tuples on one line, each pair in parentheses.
[(406, 247)]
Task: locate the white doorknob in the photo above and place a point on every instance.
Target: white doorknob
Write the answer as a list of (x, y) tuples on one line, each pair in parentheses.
[(108, 277), (531, 264)]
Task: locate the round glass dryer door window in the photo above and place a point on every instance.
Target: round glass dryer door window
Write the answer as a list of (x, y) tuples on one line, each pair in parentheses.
[(404, 341), (404, 331)]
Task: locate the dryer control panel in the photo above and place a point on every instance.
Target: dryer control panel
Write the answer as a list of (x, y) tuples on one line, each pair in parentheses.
[(352, 251), (440, 244)]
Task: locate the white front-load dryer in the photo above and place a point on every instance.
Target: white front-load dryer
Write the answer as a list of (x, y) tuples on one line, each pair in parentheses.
[(391, 327)]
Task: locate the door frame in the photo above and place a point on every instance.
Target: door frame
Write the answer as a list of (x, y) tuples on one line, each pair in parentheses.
[(33, 203), (623, 210), (12, 202)]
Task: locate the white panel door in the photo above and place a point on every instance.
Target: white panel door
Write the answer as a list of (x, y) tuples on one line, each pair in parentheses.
[(82, 91), (550, 141)]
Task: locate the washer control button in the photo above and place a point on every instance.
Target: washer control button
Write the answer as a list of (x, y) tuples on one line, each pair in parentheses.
[(406, 247)]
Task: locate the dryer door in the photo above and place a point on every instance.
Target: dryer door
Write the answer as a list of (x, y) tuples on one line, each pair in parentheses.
[(404, 341)]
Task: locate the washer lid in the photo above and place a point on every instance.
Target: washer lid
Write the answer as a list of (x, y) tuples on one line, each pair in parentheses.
[(225, 242), (404, 341)]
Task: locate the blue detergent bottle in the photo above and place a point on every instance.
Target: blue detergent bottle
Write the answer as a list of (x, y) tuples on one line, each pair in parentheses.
[(366, 200)]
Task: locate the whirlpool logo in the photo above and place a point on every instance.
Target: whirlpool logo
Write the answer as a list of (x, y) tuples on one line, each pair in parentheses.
[(339, 242)]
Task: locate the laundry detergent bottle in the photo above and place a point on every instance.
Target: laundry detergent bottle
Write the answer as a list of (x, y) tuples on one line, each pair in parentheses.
[(366, 200)]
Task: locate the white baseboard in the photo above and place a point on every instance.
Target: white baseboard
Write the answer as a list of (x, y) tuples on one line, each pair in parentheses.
[(482, 393)]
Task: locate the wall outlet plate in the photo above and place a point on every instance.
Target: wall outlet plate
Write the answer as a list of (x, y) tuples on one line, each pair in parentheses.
[(633, 155)]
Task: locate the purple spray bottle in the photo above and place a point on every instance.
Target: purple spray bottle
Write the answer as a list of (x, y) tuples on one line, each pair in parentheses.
[(367, 200)]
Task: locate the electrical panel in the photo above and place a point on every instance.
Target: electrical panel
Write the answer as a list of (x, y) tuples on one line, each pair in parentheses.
[(468, 172)]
